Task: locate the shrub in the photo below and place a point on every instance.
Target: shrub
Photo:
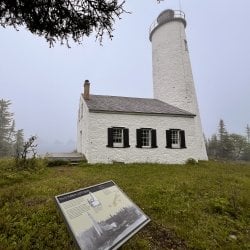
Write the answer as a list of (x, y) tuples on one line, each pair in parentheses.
[(55, 163), (219, 205), (191, 161), (29, 164)]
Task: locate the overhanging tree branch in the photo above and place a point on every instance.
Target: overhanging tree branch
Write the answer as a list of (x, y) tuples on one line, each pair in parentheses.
[(60, 20)]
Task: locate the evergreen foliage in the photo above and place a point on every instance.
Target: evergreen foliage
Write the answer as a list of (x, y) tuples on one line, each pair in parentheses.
[(239, 143), (226, 146), (7, 126), (62, 19), (10, 140), (212, 146), (246, 153)]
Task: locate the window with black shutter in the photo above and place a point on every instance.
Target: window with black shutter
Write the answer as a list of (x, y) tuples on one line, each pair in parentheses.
[(153, 138), (146, 138), (118, 137), (126, 138), (110, 137), (175, 138), (138, 138), (182, 138), (168, 139)]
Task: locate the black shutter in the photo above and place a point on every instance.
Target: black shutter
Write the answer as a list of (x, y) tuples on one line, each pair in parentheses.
[(182, 137), (168, 139), (139, 138), (110, 138), (153, 138), (126, 138)]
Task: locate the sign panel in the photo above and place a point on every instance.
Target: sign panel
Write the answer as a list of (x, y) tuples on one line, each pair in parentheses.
[(101, 216)]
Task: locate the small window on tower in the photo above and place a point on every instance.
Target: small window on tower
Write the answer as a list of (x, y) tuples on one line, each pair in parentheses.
[(185, 44)]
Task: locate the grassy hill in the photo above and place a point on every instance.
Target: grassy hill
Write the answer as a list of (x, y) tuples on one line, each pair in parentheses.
[(202, 206)]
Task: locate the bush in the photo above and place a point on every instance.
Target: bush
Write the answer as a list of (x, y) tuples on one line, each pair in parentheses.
[(29, 164), (191, 161), (55, 163)]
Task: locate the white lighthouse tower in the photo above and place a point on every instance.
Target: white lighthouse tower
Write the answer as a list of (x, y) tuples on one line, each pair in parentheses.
[(172, 73)]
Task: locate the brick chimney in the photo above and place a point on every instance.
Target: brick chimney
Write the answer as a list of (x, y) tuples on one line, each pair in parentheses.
[(86, 90)]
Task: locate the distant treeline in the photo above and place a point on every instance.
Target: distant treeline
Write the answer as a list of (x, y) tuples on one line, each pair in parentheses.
[(226, 146)]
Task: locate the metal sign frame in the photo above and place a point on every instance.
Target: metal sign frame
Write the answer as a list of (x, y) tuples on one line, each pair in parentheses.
[(100, 217)]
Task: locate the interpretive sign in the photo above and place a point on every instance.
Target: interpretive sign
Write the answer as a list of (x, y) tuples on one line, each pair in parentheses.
[(101, 216)]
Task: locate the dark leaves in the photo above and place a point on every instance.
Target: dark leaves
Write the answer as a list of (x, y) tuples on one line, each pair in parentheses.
[(60, 20)]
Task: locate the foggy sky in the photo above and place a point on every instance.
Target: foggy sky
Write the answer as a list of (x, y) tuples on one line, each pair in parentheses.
[(44, 84)]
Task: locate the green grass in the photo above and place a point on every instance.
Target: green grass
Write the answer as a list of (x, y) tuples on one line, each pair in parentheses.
[(191, 206)]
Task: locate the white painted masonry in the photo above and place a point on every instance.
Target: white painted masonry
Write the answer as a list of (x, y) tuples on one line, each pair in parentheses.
[(173, 84), (82, 127), (172, 75), (97, 139), (172, 72)]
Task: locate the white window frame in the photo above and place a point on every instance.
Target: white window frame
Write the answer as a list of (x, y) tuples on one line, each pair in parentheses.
[(175, 138), (116, 137), (147, 137)]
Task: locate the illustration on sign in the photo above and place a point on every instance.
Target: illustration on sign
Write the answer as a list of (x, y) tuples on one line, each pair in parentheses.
[(101, 217)]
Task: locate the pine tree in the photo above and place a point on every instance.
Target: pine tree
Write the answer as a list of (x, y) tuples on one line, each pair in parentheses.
[(225, 146), (212, 147), (7, 127), (246, 153), (239, 144), (62, 20), (222, 132), (229, 146)]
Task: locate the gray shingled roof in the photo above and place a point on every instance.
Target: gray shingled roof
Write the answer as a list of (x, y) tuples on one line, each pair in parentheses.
[(118, 104)]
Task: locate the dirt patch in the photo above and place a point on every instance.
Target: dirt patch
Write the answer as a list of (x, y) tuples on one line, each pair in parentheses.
[(31, 202), (162, 238)]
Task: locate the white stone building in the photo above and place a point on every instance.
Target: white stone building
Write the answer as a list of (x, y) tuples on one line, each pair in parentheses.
[(165, 129)]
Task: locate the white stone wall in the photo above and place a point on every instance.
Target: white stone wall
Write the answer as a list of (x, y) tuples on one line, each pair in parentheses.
[(97, 139), (173, 83), (172, 72), (82, 125)]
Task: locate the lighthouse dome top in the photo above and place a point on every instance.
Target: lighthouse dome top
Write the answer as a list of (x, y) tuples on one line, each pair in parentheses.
[(165, 17)]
